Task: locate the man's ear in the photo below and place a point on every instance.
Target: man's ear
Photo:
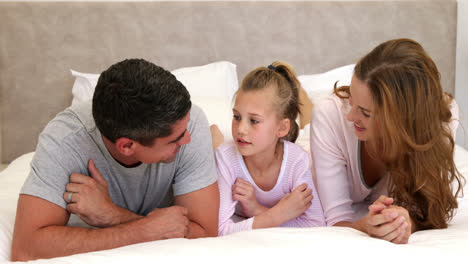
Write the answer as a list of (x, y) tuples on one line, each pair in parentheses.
[(284, 127), (125, 146)]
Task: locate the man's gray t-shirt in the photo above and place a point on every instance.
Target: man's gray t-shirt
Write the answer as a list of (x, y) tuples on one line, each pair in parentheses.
[(71, 139)]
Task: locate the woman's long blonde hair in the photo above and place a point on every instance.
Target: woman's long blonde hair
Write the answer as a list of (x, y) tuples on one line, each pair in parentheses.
[(415, 140)]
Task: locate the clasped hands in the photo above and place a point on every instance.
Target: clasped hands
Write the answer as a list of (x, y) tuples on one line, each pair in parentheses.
[(384, 220), (88, 197), (388, 222), (289, 207)]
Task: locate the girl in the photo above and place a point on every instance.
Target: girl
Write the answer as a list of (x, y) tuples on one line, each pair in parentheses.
[(263, 176), (390, 133)]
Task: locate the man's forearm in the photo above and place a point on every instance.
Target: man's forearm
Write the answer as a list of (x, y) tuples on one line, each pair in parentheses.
[(126, 216), (55, 241)]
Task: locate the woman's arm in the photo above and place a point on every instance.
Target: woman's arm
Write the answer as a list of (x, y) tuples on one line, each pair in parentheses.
[(330, 160), (385, 221), (328, 143)]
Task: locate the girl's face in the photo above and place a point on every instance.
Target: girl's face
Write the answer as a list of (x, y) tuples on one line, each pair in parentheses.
[(362, 107), (255, 126)]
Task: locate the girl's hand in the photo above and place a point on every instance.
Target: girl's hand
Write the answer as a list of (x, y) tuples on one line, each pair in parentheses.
[(244, 192), (295, 203), (387, 221)]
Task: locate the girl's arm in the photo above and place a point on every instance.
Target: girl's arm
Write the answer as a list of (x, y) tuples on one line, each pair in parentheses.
[(269, 217), (288, 208), (313, 216), (227, 206)]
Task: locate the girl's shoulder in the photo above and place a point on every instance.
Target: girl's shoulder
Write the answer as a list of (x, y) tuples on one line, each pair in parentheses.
[(226, 151), (294, 152), (226, 147), (292, 147)]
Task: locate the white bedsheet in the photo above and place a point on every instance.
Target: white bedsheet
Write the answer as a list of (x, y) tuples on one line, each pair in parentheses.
[(274, 245)]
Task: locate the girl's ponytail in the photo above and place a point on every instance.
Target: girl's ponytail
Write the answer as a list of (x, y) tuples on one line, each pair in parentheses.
[(289, 97), (293, 131)]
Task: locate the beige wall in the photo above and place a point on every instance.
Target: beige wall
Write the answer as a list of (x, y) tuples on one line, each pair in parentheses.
[(1, 122), (306, 69), (461, 76)]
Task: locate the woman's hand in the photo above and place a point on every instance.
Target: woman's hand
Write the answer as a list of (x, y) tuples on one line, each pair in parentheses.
[(295, 203), (405, 228), (244, 192), (387, 221)]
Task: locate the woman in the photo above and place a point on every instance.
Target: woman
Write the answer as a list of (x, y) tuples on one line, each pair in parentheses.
[(388, 139)]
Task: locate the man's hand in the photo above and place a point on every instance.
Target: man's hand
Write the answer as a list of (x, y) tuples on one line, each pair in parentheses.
[(90, 199), (171, 222), (244, 192)]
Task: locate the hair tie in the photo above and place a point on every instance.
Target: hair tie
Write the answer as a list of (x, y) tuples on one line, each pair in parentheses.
[(271, 67)]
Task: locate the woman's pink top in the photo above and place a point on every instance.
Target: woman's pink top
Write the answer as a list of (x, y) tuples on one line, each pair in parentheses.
[(335, 151), (295, 170)]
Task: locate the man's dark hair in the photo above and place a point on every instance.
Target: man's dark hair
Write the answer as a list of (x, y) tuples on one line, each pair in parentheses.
[(138, 100)]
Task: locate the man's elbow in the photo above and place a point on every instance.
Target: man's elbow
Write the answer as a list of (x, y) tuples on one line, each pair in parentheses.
[(203, 234), (24, 249), (212, 232), (19, 253), (201, 231)]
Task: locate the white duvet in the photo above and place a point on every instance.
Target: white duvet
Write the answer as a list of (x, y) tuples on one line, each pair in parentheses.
[(274, 245)]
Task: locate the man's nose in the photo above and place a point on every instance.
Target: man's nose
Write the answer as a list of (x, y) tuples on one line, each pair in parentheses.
[(185, 139)]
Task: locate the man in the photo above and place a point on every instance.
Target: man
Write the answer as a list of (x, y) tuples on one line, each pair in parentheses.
[(116, 161)]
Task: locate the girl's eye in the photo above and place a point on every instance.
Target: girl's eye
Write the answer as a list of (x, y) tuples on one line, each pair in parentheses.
[(237, 117), (253, 121)]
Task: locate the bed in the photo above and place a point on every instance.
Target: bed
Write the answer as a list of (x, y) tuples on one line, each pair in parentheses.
[(210, 46)]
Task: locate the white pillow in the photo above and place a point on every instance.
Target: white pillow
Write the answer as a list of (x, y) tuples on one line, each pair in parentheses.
[(83, 87), (218, 111), (218, 79), (211, 87), (320, 86)]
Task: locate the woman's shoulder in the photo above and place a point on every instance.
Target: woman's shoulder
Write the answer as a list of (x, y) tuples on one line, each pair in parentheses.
[(330, 115), (332, 107)]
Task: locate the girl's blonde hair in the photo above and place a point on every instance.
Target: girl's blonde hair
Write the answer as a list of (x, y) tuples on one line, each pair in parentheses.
[(281, 77), (415, 140)]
